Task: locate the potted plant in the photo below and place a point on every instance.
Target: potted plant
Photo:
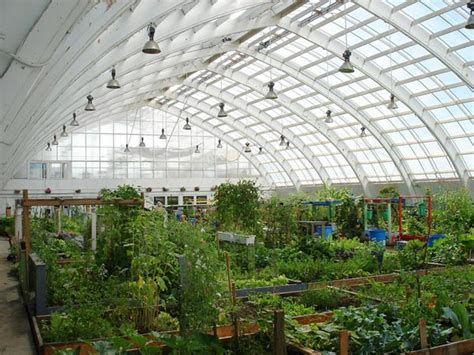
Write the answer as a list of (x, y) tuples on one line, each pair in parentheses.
[(149, 189), (77, 191), (47, 190), (196, 188), (165, 189), (182, 189)]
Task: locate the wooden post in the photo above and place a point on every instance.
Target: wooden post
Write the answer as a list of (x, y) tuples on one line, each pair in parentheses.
[(26, 226), (279, 343), (58, 213), (423, 333), (343, 342), (234, 316)]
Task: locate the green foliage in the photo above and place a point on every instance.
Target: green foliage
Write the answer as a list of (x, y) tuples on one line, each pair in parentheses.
[(280, 219), (453, 212), (79, 323), (389, 191), (325, 299), (7, 226), (413, 255), (349, 216), (237, 206), (448, 251)]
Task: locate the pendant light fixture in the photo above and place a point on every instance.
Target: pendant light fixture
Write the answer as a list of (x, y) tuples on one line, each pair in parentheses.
[(219, 144), (142, 143), (346, 67), (222, 112), (126, 150), (247, 148), (363, 133), (187, 126), (287, 145), (74, 122), (260, 150), (328, 117), (55, 141), (271, 93), (48, 147), (197, 149), (162, 135), (392, 105), (470, 19), (64, 133), (113, 83), (90, 106), (282, 141), (151, 47)]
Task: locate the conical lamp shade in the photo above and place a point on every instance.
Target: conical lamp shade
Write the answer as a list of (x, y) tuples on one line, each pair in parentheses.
[(142, 143), (163, 135), (151, 47), (328, 117), (187, 126), (392, 105), (74, 122), (48, 147), (282, 141), (219, 144), (470, 22), (126, 150), (55, 141), (113, 83), (222, 112), (271, 95), (247, 148), (90, 106), (346, 67), (64, 133)]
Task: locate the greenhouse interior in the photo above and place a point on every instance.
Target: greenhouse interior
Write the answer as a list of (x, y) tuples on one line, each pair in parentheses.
[(236, 177)]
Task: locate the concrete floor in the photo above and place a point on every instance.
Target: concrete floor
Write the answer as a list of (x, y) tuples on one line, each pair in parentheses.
[(15, 332)]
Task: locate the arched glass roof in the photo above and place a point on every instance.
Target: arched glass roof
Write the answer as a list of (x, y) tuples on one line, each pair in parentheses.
[(228, 51)]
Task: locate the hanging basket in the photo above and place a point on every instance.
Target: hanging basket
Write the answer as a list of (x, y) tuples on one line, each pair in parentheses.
[(182, 189), (47, 190)]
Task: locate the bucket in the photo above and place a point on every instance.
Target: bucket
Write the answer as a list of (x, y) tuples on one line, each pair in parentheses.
[(327, 231), (433, 238), (385, 215), (378, 235)]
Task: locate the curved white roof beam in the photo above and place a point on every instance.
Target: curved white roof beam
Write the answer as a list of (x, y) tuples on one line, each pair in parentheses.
[(298, 111), (324, 41), (332, 95), (80, 52), (246, 132), (417, 33)]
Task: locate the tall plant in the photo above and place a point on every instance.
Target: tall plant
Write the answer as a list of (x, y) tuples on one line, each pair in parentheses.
[(453, 212), (237, 206)]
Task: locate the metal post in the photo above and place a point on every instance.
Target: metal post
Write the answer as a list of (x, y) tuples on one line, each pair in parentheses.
[(365, 215), (93, 229), (26, 226), (389, 210), (400, 216)]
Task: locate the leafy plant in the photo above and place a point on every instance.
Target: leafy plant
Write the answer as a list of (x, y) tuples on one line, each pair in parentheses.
[(237, 206), (453, 212), (413, 255)]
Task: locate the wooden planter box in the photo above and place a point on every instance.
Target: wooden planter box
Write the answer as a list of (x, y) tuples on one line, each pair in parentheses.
[(224, 333)]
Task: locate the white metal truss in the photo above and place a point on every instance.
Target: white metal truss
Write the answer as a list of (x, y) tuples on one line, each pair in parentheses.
[(190, 31), (385, 81), (246, 132), (418, 34)]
